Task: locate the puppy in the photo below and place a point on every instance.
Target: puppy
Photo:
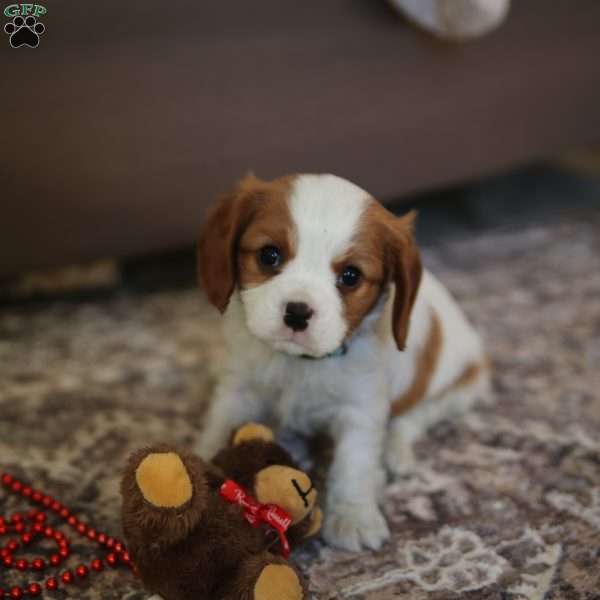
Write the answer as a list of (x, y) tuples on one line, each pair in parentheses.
[(331, 323)]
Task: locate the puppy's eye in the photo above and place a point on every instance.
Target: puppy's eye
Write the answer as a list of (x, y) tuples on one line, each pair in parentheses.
[(349, 277), (270, 256)]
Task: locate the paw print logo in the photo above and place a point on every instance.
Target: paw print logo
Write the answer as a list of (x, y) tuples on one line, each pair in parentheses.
[(24, 32)]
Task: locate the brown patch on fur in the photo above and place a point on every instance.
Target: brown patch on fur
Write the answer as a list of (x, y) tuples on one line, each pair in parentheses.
[(469, 374), (253, 215), (384, 251), (426, 365), (271, 225)]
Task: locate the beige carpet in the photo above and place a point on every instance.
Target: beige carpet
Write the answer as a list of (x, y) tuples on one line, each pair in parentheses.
[(506, 502)]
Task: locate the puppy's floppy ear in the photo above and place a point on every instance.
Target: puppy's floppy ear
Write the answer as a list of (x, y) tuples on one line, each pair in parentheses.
[(219, 236), (404, 263)]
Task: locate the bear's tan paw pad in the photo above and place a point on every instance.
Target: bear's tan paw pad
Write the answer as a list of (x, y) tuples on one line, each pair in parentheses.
[(164, 480), (278, 582), (253, 431)]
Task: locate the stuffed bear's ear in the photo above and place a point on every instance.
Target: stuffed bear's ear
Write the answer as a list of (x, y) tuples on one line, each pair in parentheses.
[(163, 480), (165, 493), (252, 431)]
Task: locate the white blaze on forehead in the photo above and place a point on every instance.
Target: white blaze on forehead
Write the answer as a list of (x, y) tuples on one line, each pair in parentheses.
[(326, 211)]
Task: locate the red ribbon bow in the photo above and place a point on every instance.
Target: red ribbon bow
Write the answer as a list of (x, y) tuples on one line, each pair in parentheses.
[(256, 513)]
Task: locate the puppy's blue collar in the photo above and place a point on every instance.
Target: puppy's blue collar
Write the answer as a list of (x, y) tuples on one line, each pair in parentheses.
[(341, 351)]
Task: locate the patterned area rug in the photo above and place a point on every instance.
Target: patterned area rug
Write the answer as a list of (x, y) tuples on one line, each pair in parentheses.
[(505, 503)]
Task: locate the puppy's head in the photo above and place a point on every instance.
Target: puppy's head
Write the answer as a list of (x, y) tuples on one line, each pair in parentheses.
[(310, 256)]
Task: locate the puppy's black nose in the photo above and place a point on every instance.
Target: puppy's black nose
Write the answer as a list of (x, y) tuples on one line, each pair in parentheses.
[(297, 315)]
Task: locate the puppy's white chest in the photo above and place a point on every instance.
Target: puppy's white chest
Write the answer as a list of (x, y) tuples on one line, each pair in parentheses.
[(305, 404)]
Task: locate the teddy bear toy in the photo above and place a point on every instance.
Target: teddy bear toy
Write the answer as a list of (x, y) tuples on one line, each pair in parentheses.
[(218, 530)]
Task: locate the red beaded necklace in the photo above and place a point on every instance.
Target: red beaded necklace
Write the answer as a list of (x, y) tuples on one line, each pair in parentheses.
[(34, 524)]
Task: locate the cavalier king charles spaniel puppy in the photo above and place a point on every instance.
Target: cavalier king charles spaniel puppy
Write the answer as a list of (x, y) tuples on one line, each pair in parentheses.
[(331, 323)]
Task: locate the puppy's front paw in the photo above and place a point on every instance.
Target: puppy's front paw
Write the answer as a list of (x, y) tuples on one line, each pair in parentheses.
[(354, 526)]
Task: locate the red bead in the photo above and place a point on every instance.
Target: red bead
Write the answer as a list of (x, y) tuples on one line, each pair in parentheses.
[(55, 560), (32, 514), (110, 542), (97, 565), (51, 584), (102, 538), (2, 530), (40, 517), (8, 561), (125, 558), (92, 534), (17, 486), (19, 527), (16, 593), (38, 527), (72, 521), (47, 501), (81, 571), (56, 506), (67, 577), (26, 538), (64, 512), (26, 491), (4, 552), (34, 589), (36, 496), (49, 532), (7, 479), (22, 564), (38, 564), (118, 547), (13, 545), (59, 535), (16, 518), (82, 528), (64, 552), (111, 559)]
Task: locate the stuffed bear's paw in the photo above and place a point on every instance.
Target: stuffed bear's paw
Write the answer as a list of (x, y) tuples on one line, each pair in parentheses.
[(278, 582), (163, 480), (353, 526)]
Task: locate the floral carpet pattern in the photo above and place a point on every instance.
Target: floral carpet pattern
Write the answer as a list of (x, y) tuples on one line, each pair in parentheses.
[(505, 503)]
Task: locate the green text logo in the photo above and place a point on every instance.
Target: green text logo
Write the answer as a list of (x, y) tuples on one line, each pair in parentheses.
[(22, 10)]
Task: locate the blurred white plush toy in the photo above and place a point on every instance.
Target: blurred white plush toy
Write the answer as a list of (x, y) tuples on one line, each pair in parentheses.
[(455, 19)]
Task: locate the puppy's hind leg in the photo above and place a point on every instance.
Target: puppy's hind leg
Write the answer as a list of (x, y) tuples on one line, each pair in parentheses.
[(405, 430)]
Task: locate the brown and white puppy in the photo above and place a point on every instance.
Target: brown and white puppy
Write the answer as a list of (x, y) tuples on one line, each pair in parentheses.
[(331, 323)]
